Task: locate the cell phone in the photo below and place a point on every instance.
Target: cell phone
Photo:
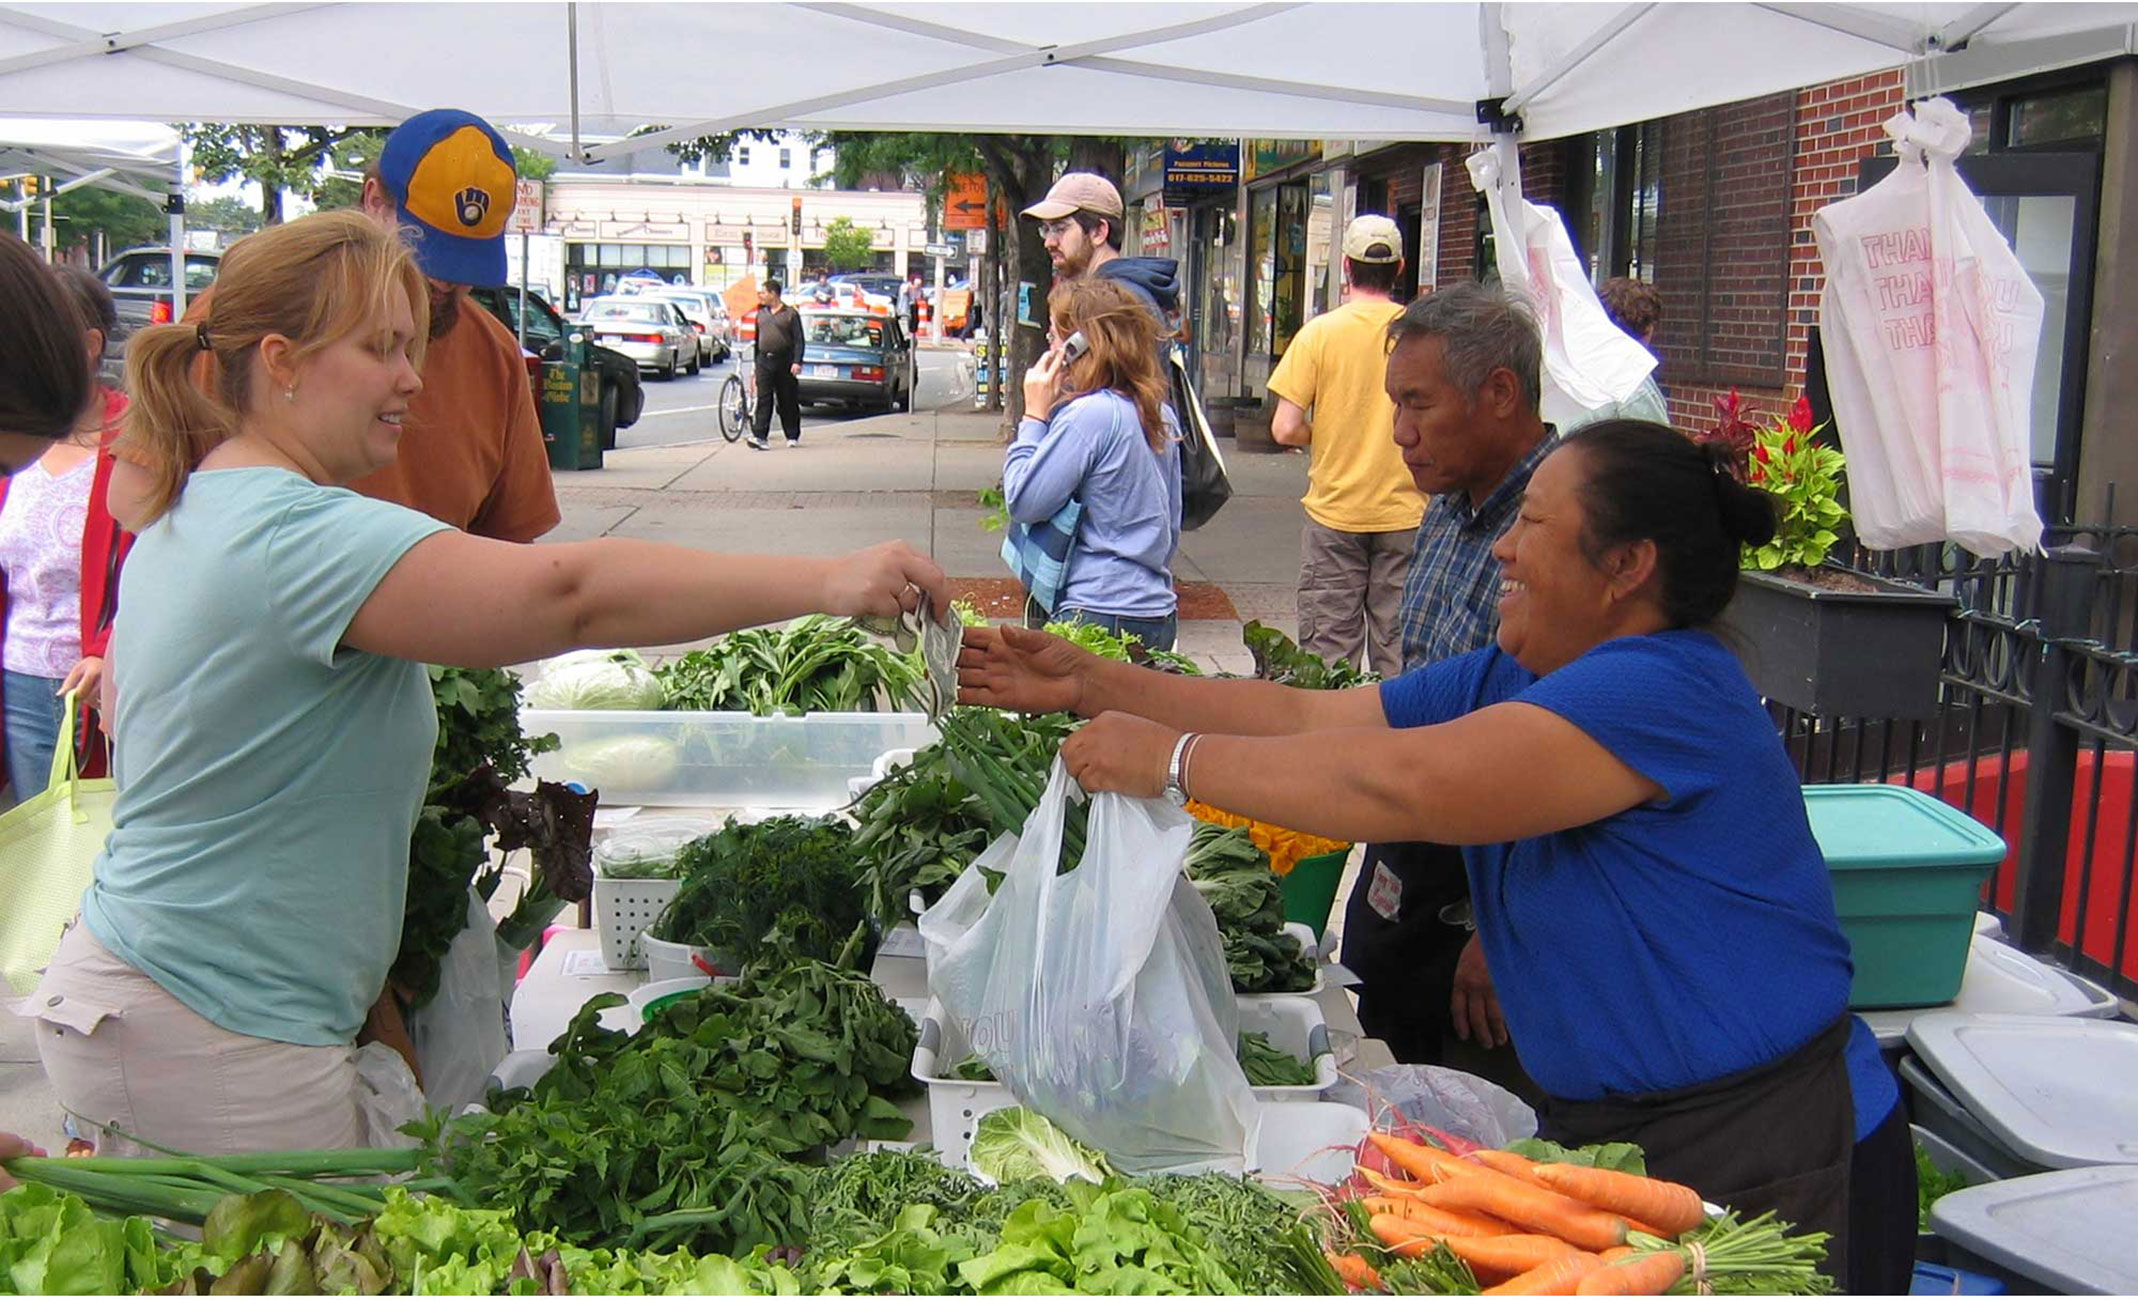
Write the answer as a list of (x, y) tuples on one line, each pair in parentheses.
[(1074, 346)]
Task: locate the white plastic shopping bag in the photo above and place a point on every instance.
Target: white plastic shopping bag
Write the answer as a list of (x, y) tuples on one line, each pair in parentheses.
[(1931, 329), (1099, 996), (460, 1033), (1589, 362)]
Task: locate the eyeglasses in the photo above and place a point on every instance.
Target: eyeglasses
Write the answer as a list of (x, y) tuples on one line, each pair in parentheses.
[(1050, 229)]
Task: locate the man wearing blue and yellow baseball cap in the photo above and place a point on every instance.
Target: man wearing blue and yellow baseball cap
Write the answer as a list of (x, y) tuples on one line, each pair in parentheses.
[(472, 454)]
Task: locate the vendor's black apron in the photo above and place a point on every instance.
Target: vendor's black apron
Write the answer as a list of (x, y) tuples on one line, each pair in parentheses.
[(1776, 1137)]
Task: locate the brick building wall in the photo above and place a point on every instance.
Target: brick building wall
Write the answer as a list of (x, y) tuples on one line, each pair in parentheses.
[(1837, 126)]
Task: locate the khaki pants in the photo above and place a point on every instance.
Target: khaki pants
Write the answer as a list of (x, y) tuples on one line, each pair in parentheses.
[(1351, 595), (122, 1052)]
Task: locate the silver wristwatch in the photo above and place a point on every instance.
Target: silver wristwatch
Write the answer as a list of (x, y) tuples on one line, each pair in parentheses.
[(1176, 793)]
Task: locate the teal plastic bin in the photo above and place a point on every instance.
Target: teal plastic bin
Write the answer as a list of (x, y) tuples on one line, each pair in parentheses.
[(1907, 872)]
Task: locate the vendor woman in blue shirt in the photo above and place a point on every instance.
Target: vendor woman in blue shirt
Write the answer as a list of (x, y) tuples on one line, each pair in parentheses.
[(1654, 910)]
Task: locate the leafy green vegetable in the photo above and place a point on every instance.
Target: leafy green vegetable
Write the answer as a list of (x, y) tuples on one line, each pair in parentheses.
[(596, 679), (1123, 1241), (1279, 659), (920, 827), (1931, 1184), (54, 1244), (1260, 1234), (817, 664), (1233, 876), (784, 877), (1123, 646), (972, 1070), (625, 762), (1624, 1157), (1017, 1143), (1438, 1273), (687, 1133), (1267, 1066)]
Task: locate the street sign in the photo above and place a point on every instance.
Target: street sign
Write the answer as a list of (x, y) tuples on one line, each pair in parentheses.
[(941, 250), (526, 208), (965, 202), (976, 241)]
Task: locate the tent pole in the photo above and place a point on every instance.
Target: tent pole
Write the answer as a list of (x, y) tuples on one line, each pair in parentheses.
[(1505, 127), (571, 29), (176, 206)]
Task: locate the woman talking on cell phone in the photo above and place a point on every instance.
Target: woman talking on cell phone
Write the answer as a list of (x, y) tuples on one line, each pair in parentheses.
[(1097, 431)]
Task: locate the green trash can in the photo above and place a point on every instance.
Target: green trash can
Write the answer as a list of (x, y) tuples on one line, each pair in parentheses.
[(569, 397), (1310, 888), (1907, 872)]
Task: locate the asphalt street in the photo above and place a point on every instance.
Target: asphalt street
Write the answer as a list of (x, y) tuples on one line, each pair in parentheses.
[(682, 410)]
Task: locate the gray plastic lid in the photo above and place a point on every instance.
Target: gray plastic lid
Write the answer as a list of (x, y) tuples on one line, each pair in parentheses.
[(2069, 1230), (2002, 980), (2055, 1090)]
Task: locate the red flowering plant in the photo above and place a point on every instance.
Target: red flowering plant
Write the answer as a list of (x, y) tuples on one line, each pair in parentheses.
[(1786, 459)]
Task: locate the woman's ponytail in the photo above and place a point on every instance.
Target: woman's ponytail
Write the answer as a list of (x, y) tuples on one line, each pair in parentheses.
[(171, 422)]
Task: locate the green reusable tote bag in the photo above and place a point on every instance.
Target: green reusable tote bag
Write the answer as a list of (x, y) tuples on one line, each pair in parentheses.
[(47, 848)]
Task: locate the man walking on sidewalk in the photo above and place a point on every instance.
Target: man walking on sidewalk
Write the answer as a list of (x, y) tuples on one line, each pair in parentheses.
[(1362, 507), (1081, 220), (780, 347)]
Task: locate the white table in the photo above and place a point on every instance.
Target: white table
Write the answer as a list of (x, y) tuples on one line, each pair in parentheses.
[(569, 972)]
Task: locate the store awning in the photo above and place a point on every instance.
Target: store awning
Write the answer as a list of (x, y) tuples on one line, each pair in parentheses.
[(1337, 70)]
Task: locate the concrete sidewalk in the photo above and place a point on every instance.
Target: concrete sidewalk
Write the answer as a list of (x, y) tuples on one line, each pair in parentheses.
[(917, 476)]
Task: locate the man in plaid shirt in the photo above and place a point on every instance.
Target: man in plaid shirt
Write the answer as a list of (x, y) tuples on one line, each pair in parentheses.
[(1465, 372)]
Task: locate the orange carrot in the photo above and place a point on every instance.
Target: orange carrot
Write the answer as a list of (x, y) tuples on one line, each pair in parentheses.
[(1671, 1207), (1428, 1164), (1640, 1275), (1553, 1277), (1355, 1271), (1508, 1257), (1615, 1254), (1438, 1222), (1486, 1191), (1506, 1162), (1400, 1206), (1391, 1186)]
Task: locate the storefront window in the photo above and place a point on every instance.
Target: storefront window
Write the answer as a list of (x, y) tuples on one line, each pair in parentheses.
[(1219, 277), (2064, 117), (2041, 228), (1322, 230), (1288, 303), (1262, 259)]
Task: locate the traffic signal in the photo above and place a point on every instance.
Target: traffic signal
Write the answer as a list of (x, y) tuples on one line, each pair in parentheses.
[(795, 223)]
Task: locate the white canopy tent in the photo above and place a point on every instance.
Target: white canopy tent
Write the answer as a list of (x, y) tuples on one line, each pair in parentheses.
[(140, 159), (1335, 70)]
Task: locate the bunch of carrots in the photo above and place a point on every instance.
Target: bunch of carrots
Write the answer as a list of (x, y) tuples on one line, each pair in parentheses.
[(1286, 848), (1530, 1228)]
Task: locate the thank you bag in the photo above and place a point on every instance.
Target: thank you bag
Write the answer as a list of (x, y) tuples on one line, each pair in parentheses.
[(1931, 328), (1099, 995)]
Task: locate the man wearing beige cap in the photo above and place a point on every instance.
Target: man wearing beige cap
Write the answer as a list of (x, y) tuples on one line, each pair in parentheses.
[(1081, 220), (1362, 507)]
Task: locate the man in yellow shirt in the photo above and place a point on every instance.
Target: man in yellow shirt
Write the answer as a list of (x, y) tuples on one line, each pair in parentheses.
[(1362, 507)]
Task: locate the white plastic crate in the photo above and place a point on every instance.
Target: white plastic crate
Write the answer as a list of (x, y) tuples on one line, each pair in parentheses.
[(622, 911), (663, 759), (956, 1105)]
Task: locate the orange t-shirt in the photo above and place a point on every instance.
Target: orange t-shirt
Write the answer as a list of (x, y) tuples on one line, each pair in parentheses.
[(471, 451)]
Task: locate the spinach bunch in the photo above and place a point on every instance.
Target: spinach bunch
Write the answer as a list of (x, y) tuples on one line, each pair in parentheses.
[(794, 878), (817, 664), (688, 1133), (1278, 658), (1233, 876), (920, 827), (1269, 1066)]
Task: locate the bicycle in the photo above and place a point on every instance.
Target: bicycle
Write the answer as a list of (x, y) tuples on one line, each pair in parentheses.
[(738, 395)]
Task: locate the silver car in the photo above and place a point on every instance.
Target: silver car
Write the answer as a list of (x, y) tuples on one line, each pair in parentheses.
[(707, 315), (651, 331)]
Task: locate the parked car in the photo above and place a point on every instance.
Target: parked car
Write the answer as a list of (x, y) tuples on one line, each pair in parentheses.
[(140, 284), (650, 331), (707, 315), (879, 284), (622, 396), (856, 358)]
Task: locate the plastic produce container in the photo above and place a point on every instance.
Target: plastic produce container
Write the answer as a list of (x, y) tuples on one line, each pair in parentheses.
[(2054, 1091), (2069, 1232), (1940, 1279), (663, 759), (1907, 873), (1314, 1141), (2001, 980), (1310, 888), (1294, 1025), (1933, 1107), (679, 961), (626, 902)]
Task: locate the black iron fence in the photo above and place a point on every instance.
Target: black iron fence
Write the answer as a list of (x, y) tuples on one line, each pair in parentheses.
[(2036, 734)]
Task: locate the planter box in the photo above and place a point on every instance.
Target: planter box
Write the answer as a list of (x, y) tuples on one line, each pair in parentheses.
[(1840, 653)]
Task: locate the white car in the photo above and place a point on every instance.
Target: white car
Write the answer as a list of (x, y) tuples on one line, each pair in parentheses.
[(651, 331), (707, 314)]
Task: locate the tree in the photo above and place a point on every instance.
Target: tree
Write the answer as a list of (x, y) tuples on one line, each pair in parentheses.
[(229, 217), (533, 164), (124, 219), (848, 247), (342, 184), (279, 158)]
